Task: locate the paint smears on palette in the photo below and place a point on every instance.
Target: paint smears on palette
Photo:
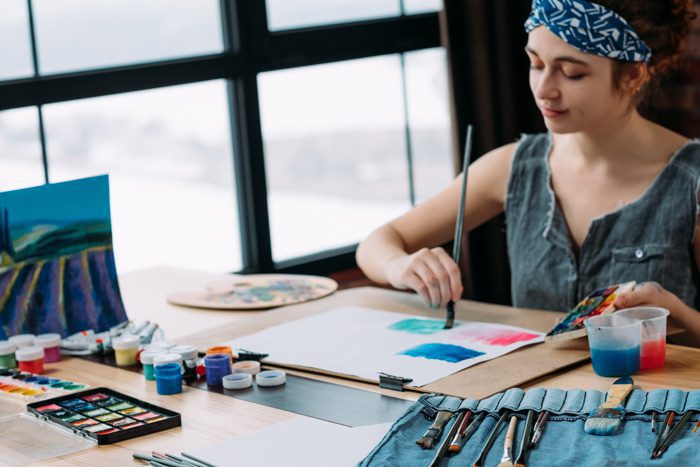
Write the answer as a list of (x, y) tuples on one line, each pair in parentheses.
[(35, 387), (598, 302), (104, 415), (257, 291), (364, 342)]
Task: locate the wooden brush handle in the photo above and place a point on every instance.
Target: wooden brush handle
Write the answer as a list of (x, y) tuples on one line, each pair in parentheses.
[(617, 394), (510, 434)]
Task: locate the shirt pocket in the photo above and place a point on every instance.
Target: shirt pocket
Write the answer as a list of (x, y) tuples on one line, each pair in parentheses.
[(652, 262)]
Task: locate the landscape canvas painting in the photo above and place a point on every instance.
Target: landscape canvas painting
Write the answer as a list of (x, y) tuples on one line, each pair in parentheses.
[(57, 268), (364, 342)]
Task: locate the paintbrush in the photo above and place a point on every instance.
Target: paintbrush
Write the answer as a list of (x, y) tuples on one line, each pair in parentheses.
[(605, 420), (672, 435), (444, 446), (489, 441), (427, 441), (459, 224), (538, 429), (455, 443), (461, 438), (525, 440), (663, 431), (507, 458)]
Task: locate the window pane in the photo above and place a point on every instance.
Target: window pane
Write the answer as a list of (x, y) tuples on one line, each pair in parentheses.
[(168, 154), (78, 34), (335, 152), (15, 59), (287, 14), (429, 120), (20, 149), (421, 6)]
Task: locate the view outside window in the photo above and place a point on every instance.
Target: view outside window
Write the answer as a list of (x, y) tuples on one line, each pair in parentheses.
[(168, 156), (20, 151), (73, 35), (15, 59), (335, 148), (429, 121)]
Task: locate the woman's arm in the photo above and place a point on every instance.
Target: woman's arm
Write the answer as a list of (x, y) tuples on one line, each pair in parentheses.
[(406, 252)]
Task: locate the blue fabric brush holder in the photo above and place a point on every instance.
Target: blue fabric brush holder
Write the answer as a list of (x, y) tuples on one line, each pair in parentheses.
[(563, 441)]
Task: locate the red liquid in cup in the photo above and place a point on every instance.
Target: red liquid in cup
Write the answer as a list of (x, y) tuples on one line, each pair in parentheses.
[(653, 354)]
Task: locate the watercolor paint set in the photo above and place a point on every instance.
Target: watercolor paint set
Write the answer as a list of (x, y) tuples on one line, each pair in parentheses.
[(598, 302), (104, 415), (31, 386)]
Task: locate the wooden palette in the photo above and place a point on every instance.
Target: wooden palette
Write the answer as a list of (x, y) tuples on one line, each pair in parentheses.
[(257, 291)]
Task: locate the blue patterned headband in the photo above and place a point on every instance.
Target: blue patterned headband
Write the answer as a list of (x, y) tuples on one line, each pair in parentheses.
[(590, 28)]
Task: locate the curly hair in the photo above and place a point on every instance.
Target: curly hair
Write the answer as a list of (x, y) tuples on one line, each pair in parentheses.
[(663, 25)]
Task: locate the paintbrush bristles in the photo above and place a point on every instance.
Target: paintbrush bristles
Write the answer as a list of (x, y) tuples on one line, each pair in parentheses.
[(605, 420)]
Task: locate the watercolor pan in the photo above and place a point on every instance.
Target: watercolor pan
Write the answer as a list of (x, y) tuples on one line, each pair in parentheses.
[(122, 417), (30, 386)]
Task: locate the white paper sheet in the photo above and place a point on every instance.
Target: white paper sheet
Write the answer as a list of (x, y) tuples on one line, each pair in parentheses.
[(301, 442), (364, 342)]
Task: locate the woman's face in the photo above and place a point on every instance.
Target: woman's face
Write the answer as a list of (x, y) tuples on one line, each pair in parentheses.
[(573, 90)]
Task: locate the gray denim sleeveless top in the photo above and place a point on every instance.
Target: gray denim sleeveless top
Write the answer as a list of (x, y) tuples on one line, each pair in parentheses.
[(649, 239)]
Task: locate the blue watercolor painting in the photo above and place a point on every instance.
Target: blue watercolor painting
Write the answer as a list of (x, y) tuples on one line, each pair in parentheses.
[(444, 352), (418, 326), (57, 269)]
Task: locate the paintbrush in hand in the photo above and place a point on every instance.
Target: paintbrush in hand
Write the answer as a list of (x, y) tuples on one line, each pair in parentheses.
[(605, 420), (459, 224)]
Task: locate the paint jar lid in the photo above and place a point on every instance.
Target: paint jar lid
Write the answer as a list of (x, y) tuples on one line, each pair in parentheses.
[(271, 378), (251, 367), (147, 356), (28, 354), (125, 341), (47, 340), (23, 340), (7, 347), (237, 381), (188, 352), (169, 357)]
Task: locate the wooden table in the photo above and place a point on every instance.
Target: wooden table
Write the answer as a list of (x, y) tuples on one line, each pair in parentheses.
[(209, 417)]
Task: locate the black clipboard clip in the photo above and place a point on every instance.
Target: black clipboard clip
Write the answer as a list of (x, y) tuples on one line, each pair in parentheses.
[(395, 383)]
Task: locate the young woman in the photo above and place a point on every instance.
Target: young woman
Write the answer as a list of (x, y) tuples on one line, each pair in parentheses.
[(605, 196)]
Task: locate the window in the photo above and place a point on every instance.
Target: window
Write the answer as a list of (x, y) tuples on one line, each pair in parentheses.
[(15, 60), (168, 155), (238, 134), (20, 150), (81, 34)]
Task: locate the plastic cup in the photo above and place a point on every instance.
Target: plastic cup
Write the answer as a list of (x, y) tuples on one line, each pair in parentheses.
[(615, 343), (653, 351)]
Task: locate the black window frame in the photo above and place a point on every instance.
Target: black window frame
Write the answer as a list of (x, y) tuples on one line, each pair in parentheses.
[(249, 49)]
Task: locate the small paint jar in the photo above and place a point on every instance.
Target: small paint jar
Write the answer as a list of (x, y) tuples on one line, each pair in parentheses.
[(31, 359), (217, 365), (251, 367), (221, 349), (125, 348), (52, 346), (168, 379), (147, 357), (22, 340), (7, 355), (167, 357), (189, 361)]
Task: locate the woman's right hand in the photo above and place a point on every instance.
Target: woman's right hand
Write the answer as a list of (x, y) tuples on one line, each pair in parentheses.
[(430, 272)]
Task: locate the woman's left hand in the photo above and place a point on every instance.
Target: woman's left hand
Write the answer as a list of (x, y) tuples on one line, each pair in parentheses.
[(649, 294)]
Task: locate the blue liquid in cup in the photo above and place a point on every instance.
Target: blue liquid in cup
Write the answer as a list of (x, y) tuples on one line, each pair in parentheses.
[(617, 362)]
